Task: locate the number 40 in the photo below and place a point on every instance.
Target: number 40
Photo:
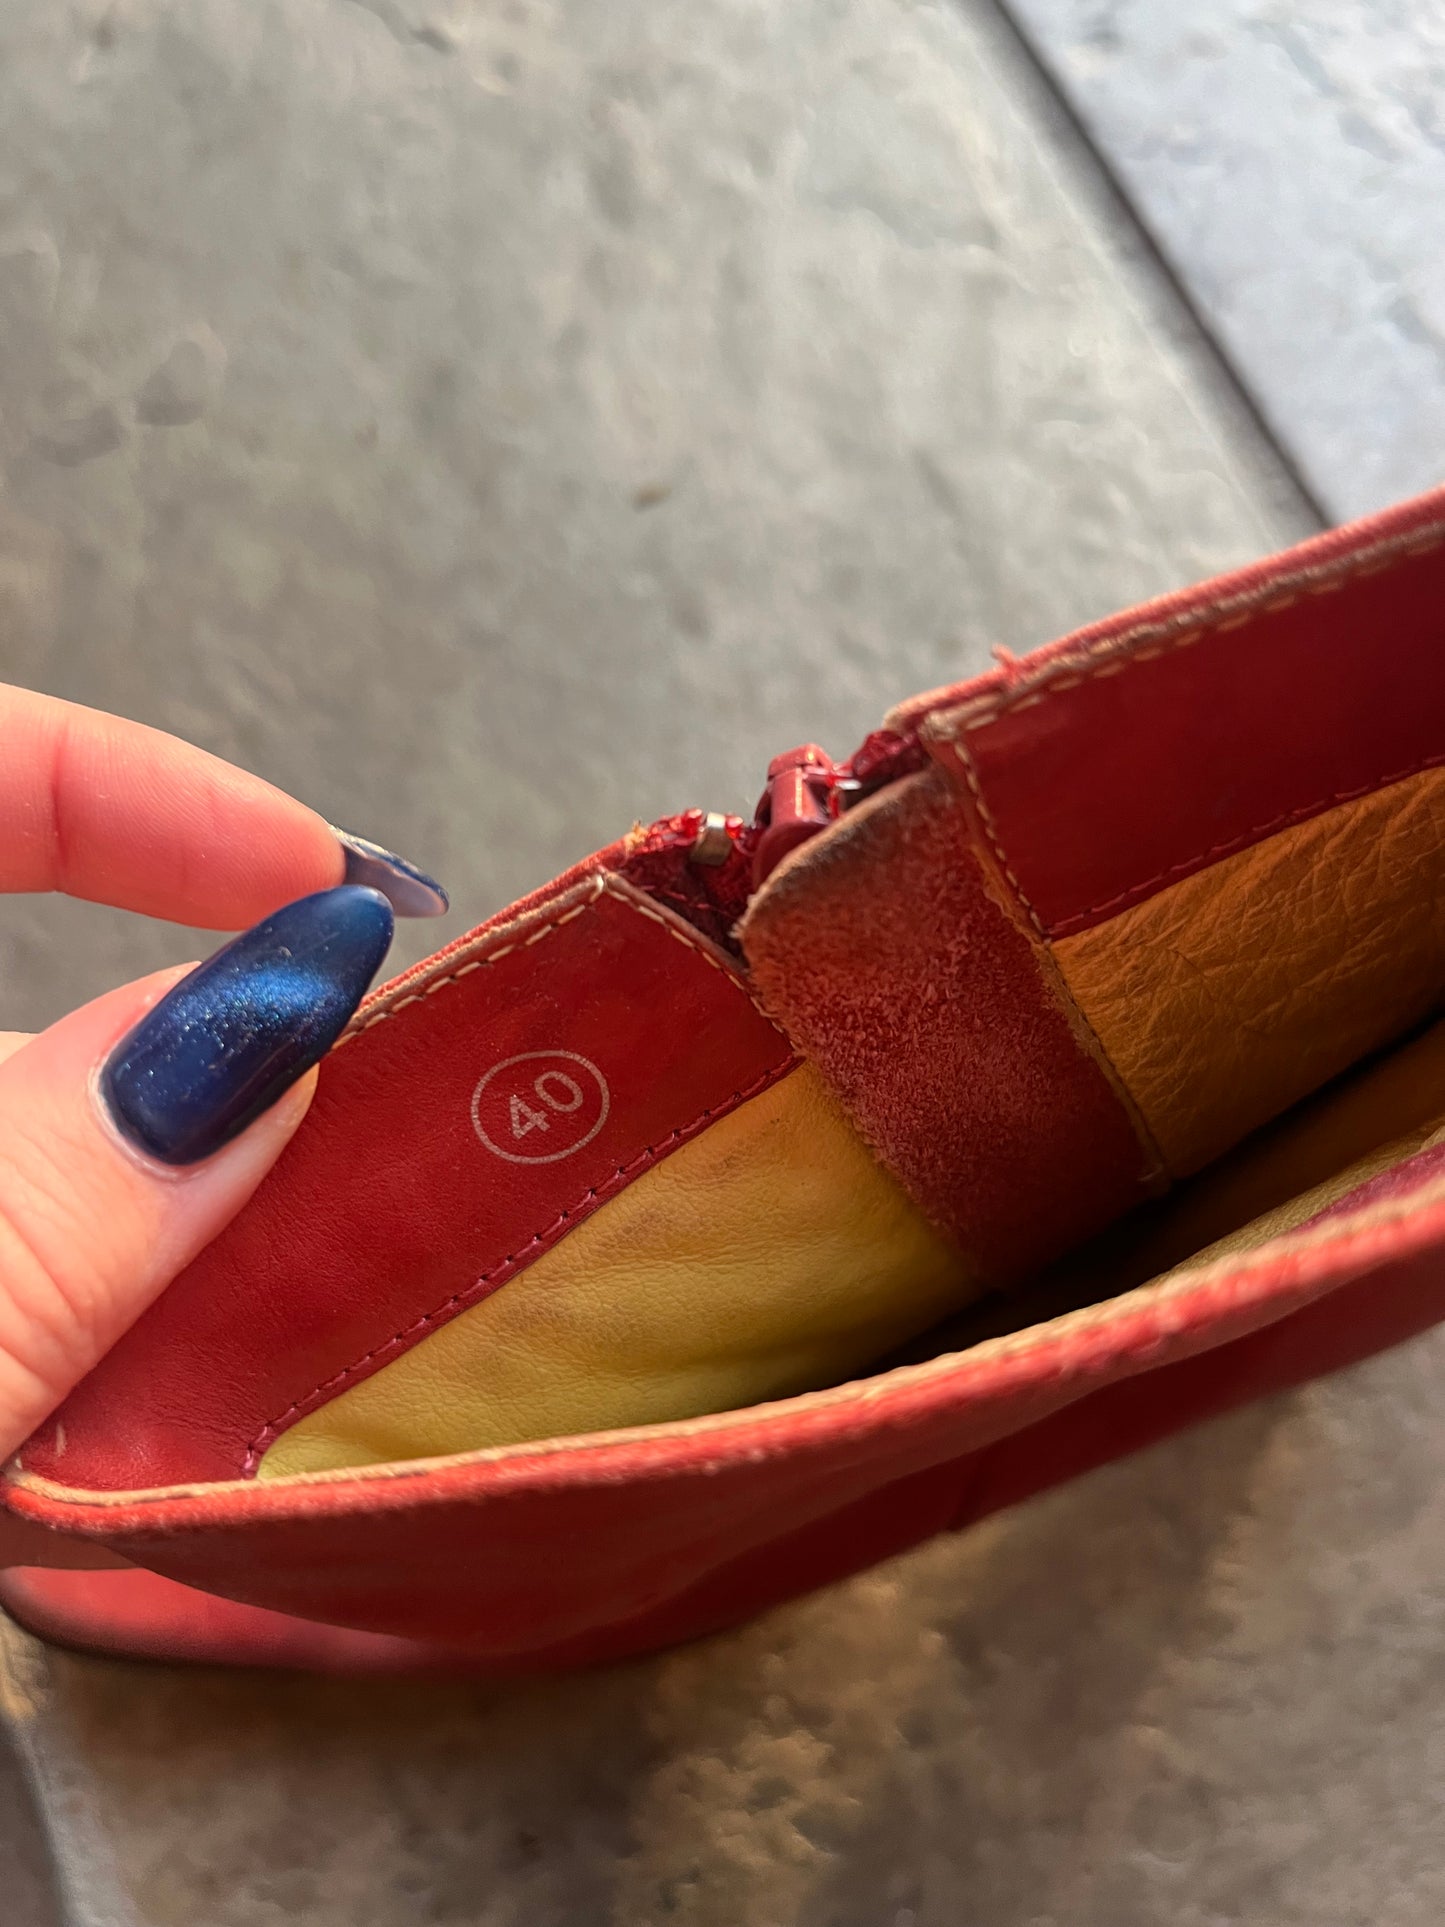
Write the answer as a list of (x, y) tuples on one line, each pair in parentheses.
[(557, 1091)]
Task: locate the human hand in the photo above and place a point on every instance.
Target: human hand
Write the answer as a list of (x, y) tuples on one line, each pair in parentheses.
[(135, 1128)]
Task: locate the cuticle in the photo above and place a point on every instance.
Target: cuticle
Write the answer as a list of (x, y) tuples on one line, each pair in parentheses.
[(153, 1167)]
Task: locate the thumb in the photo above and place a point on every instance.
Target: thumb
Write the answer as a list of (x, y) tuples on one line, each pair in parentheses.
[(133, 1130)]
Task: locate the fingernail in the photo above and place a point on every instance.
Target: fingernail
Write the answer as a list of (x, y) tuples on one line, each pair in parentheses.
[(228, 1040), (409, 891)]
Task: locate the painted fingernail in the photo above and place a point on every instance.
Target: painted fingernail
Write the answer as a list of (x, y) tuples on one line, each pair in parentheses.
[(220, 1048), (409, 891)]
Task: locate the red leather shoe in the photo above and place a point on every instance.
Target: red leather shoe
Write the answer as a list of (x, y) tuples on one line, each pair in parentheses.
[(758, 1199)]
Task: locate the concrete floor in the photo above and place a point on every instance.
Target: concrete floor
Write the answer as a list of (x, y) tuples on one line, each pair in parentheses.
[(497, 421), (1290, 159)]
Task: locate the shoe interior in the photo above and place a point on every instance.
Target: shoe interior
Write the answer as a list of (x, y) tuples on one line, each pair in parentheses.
[(1372, 1117), (1267, 1022)]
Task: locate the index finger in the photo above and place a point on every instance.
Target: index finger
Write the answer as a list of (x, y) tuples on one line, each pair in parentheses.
[(117, 813)]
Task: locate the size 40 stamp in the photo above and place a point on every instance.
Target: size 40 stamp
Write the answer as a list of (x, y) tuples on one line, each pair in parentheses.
[(541, 1106)]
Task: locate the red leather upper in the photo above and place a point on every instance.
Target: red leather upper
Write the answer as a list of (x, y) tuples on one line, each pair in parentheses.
[(567, 1553), (1249, 703)]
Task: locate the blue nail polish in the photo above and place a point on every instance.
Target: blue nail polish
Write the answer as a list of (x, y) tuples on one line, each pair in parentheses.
[(220, 1048), (409, 891)]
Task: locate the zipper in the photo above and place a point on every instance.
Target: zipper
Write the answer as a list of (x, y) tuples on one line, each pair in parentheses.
[(705, 865), (807, 791)]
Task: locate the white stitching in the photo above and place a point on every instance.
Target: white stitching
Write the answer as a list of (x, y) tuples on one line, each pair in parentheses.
[(1117, 650)]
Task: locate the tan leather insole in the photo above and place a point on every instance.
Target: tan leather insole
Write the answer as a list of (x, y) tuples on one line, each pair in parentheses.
[(1232, 994), (769, 1255)]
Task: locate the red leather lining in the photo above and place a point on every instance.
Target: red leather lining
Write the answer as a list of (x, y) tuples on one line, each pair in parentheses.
[(406, 1197), (1147, 747), (929, 1009), (681, 1530)]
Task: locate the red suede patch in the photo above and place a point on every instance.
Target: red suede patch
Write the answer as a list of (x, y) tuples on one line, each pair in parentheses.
[(895, 968)]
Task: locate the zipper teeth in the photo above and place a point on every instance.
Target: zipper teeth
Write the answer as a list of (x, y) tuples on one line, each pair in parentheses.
[(882, 758)]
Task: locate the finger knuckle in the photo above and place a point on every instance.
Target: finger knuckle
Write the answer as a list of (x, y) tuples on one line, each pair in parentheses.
[(56, 1282)]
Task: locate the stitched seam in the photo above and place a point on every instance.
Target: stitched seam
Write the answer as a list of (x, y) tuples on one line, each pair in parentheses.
[(473, 963), (1116, 656), (995, 841), (496, 1275), (1070, 925), (603, 885), (1202, 1284), (679, 932), (1089, 1040), (690, 940), (1113, 661)]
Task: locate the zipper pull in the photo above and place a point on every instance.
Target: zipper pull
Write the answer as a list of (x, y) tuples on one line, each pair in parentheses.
[(800, 800)]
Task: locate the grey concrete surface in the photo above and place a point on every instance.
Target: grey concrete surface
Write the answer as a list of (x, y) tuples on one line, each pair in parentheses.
[(26, 1879), (493, 422), (1290, 160), (582, 402), (1202, 1689)]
